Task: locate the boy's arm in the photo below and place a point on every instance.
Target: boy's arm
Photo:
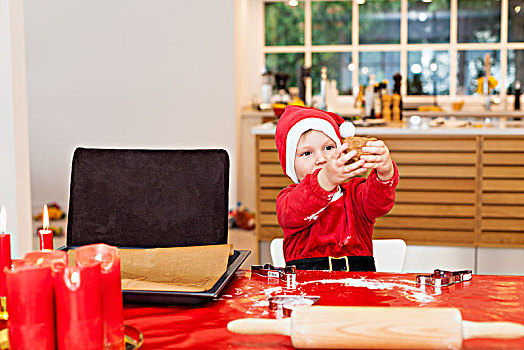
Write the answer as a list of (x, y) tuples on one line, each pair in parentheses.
[(375, 197), (298, 205)]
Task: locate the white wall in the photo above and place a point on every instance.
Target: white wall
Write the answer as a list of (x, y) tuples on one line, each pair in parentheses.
[(14, 144), (501, 261), (7, 140), (248, 41), (425, 259), (126, 73)]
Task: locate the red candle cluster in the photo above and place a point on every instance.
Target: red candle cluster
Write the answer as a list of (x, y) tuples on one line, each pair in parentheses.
[(83, 301)]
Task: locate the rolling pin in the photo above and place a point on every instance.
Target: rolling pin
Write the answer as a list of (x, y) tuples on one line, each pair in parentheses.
[(351, 327)]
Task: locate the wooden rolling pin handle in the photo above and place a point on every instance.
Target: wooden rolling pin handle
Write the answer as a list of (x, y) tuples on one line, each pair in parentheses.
[(260, 326), (498, 330)]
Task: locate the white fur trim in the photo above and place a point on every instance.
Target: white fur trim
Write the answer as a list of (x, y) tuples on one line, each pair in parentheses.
[(347, 129), (294, 134), (336, 196)]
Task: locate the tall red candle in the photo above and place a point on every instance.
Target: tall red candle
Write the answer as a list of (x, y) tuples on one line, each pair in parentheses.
[(5, 251), (112, 302), (79, 322), (31, 306), (45, 234)]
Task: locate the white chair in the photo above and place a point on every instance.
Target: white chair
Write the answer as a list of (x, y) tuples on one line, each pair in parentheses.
[(277, 252), (389, 254)]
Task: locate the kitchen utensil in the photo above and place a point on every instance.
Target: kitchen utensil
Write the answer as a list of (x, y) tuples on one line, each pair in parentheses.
[(349, 327), (287, 303), (441, 278)]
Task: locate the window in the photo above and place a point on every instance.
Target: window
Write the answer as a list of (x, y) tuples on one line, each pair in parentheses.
[(428, 72), (381, 64), (379, 22), (338, 68), (438, 46), (428, 22), (515, 69), (285, 63), (479, 21), (331, 23), (516, 21), (471, 66), (284, 24)]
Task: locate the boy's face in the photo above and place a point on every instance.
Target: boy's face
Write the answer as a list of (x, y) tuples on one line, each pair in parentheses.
[(313, 150)]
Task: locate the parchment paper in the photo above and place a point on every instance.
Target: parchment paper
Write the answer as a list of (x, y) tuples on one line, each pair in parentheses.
[(180, 269)]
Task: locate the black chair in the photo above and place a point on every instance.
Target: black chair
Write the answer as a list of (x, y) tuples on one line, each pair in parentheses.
[(152, 199), (148, 198)]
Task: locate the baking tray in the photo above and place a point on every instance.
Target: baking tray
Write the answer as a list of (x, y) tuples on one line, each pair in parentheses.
[(183, 298)]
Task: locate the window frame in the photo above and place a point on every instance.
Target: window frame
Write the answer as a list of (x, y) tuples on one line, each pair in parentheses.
[(453, 47)]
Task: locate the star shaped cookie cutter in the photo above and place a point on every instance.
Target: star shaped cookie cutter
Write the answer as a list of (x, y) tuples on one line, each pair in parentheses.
[(287, 303)]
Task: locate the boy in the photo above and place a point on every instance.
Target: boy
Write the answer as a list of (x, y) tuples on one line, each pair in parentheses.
[(328, 223)]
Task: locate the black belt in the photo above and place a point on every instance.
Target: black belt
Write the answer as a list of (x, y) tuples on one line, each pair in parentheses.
[(345, 263)]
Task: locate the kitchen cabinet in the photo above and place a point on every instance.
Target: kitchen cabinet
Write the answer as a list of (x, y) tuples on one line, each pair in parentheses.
[(457, 188)]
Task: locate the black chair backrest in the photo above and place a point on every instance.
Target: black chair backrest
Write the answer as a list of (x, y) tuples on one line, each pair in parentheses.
[(148, 198)]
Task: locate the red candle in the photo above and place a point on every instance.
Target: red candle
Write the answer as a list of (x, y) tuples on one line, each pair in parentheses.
[(79, 322), (30, 306), (112, 303), (55, 259), (5, 251), (45, 234)]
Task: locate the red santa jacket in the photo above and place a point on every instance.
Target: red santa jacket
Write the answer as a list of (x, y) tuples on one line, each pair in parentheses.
[(318, 223)]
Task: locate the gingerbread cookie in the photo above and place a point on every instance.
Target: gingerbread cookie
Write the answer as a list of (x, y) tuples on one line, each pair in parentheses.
[(356, 143)]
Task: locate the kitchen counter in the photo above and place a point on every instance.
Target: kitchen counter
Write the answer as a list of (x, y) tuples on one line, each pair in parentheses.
[(474, 112), (500, 128)]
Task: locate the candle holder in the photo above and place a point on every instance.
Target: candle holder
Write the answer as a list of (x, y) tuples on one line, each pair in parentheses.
[(4, 339), (3, 309), (133, 338)]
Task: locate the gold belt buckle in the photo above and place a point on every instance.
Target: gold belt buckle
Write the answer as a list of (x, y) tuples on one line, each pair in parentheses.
[(330, 258)]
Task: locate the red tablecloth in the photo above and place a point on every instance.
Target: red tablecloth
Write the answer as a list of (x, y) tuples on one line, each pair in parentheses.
[(484, 298)]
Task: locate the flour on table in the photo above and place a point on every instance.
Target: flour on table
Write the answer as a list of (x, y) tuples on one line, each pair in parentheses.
[(411, 292), (264, 303), (270, 291)]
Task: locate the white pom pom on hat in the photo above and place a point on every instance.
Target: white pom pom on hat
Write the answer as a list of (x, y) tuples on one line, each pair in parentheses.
[(347, 129)]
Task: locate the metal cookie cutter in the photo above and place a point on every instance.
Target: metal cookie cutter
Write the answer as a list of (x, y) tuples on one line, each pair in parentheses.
[(286, 303), (441, 278), (286, 274)]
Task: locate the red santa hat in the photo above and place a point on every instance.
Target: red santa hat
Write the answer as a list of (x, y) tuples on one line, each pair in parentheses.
[(295, 121)]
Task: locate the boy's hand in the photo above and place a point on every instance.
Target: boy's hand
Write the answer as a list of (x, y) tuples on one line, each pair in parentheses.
[(379, 159), (335, 171)]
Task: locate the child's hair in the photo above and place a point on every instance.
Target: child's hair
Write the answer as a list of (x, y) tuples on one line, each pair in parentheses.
[(306, 132)]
